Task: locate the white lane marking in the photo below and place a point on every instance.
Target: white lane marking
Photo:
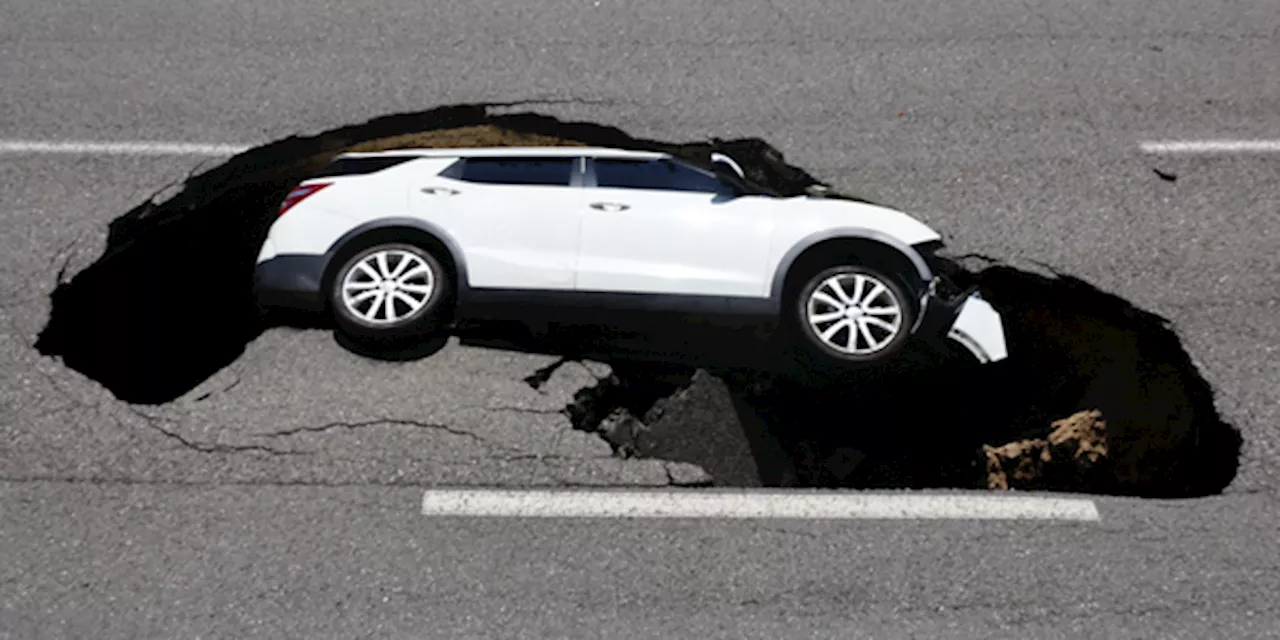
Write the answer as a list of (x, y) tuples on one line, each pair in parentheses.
[(702, 503), (1212, 146), (135, 148)]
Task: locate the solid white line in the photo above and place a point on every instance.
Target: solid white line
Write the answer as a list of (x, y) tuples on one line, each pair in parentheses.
[(1212, 146), (121, 148), (701, 503)]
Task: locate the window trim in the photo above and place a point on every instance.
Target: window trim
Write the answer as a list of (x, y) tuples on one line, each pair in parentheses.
[(455, 170), (579, 176), (593, 181)]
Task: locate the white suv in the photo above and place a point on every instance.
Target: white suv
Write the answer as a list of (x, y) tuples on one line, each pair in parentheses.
[(401, 244)]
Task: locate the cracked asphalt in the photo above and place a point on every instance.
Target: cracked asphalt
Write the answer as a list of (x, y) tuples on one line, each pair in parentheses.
[(279, 497)]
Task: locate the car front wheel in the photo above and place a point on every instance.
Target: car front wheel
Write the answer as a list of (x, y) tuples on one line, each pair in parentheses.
[(853, 313), (390, 291)]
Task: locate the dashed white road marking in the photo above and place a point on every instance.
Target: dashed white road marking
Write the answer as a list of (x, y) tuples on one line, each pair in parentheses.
[(789, 504), (134, 148), (1212, 146)]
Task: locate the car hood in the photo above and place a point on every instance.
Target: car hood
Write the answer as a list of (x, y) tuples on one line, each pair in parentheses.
[(824, 213)]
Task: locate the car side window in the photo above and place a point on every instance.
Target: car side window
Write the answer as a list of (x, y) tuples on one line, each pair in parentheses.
[(653, 174), (530, 171)]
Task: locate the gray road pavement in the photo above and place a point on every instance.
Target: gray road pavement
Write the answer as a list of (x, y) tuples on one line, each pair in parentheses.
[(151, 561), (1017, 136)]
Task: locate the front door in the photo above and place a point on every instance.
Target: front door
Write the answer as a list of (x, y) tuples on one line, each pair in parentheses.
[(516, 219), (658, 226)]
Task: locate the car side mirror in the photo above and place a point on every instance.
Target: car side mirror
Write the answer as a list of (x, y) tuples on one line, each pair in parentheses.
[(721, 162)]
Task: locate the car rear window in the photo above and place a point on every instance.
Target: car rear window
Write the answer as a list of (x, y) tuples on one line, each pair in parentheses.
[(535, 171), (653, 174), (360, 166)]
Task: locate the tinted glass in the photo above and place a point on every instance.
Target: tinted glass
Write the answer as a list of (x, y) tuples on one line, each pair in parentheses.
[(545, 171), (653, 174)]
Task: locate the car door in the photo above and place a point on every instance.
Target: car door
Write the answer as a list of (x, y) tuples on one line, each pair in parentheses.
[(660, 226), (516, 219)]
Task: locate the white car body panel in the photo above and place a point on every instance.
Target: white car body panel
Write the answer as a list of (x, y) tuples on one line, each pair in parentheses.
[(678, 242), (685, 242), (311, 231), (314, 224), (800, 217), (511, 236)]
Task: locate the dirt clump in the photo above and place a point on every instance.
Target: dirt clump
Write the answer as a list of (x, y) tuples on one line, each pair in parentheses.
[(485, 135), (1071, 458)]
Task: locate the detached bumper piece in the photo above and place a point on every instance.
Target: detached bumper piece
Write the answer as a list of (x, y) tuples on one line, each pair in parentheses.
[(980, 330), (968, 320)]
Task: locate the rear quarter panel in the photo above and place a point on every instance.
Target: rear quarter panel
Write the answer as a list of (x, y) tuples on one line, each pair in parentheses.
[(315, 224)]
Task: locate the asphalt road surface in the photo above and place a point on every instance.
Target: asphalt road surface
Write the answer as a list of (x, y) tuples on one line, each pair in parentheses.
[(280, 497)]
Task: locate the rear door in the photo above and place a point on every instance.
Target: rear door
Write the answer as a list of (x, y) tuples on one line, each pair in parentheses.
[(660, 226), (516, 218)]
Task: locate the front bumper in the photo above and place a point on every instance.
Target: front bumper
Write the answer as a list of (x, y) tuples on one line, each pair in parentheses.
[(968, 320), (289, 282)]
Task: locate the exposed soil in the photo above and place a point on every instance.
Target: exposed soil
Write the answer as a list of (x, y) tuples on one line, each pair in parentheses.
[(484, 135), (932, 421), (1070, 459)]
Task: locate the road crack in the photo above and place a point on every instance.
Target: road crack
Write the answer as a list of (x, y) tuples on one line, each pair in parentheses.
[(539, 412), (374, 422), (154, 422)]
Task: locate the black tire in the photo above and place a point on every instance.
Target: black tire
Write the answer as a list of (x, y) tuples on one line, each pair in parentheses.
[(426, 322), (805, 335)]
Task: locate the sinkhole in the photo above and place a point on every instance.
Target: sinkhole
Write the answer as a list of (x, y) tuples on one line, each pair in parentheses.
[(1097, 395)]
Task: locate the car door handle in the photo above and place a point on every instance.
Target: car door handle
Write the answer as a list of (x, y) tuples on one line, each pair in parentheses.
[(609, 206), (440, 191)]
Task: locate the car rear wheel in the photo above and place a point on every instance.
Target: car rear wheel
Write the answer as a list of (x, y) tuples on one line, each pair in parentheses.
[(853, 313), (390, 291)]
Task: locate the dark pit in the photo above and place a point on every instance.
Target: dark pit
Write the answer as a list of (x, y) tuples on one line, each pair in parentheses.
[(932, 420)]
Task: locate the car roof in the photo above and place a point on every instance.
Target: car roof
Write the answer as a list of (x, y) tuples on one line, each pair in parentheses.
[(508, 152)]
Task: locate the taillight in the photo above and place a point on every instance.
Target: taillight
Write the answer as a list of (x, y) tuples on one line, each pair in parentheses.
[(299, 193)]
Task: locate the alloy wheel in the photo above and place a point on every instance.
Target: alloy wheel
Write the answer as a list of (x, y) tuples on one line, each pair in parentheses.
[(854, 314), (388, 286)]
